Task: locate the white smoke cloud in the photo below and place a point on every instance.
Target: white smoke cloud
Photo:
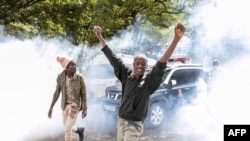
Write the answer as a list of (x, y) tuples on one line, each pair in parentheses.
[(222, 18), (29, 69), (27, 81), (228, 102)]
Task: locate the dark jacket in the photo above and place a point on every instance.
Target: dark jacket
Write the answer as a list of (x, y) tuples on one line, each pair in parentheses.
[(135, 91)]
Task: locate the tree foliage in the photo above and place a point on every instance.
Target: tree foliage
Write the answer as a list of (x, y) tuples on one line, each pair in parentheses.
[(74, 19)]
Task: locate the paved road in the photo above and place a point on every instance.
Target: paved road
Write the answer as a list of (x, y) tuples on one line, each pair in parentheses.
[(100, 127), (159, 134), (149, 135)]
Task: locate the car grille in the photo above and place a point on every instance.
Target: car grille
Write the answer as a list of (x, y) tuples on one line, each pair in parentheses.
[(114, 96)]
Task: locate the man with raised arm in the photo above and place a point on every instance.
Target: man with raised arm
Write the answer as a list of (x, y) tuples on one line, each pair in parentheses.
[(137, 85)]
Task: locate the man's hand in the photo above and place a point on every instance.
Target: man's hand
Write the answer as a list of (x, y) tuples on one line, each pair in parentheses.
[(84, 113), (179, 30), (50, 113), (97, 30)]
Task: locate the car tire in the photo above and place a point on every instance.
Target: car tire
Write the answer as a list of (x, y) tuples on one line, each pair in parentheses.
[(156, 116)]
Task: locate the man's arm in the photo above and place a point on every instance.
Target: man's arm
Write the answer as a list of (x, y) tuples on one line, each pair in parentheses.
[(179, 32), (84, 105), (98, 33), (84, 99), (121, 70), (55, 98)]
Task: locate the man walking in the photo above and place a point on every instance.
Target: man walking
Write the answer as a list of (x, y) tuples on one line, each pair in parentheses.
[(73, 100)]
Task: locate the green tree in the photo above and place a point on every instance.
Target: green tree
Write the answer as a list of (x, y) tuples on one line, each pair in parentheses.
[(74, 19)]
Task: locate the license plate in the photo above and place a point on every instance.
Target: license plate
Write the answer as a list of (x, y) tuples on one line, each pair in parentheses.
[(109, 108)]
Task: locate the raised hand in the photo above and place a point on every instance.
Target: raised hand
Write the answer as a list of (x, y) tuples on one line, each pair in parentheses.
[(98, 31), (179, 30)]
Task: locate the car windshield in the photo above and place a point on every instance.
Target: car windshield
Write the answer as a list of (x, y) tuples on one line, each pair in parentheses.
[(100, 71)]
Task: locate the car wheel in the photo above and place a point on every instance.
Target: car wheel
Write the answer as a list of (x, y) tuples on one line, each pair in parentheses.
[(155, 116)]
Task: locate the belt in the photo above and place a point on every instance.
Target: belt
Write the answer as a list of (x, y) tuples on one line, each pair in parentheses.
[(133, 123)]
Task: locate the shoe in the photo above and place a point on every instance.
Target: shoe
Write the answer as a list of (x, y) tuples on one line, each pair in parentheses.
[(80, 131)]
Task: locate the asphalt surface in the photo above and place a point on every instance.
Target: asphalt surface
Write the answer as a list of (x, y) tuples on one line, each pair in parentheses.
[(148, 135), (107, 132), (100, 127)]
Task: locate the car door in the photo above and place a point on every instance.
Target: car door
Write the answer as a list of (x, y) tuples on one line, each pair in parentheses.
[(184, 89)]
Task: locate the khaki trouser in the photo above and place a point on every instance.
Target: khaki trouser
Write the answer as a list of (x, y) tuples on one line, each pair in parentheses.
[(70, 114), (129, 130)]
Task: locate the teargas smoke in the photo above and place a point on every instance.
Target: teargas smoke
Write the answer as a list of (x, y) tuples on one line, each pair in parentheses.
[(29, 69), (224, 38)]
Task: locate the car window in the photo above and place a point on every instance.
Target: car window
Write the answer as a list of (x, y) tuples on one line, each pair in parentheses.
[(187, 76)]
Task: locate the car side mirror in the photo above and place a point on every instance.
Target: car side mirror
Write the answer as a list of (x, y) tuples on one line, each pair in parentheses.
[(171, 84)]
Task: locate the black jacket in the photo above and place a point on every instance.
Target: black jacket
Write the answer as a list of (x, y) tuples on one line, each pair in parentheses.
[(135, 91)]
